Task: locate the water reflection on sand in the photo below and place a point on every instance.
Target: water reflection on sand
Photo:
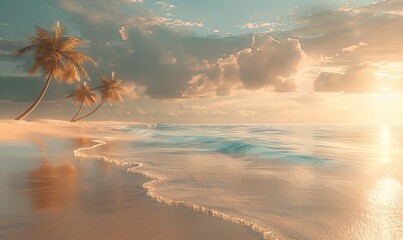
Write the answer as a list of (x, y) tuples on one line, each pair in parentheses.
[(52, 186), (47, 194)]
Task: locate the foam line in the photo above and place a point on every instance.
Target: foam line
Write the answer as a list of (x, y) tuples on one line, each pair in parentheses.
[(151, 190)]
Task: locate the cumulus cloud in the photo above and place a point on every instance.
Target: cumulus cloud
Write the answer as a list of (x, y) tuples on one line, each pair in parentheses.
[(178, 64), (217, 79), (354, 39), (269, 63), (356, 79), (351, 35)]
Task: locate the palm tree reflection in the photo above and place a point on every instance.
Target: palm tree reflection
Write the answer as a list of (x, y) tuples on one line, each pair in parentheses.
[(52, 187)]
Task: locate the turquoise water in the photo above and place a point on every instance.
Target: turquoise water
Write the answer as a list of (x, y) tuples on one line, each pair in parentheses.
[(284, 181)]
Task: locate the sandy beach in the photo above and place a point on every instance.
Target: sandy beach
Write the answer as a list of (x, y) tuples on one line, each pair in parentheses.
[(49, 193)]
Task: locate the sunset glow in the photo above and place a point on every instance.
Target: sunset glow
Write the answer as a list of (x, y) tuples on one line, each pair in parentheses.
[(201, 119), (180, 63)]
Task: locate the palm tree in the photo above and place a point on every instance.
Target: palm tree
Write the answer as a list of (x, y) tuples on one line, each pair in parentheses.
[(84, 95), (56, 56), (110, 90)]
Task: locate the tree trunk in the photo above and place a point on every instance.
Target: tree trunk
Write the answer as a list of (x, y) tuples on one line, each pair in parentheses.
[(90, 112), (77, 111), (32, 107)]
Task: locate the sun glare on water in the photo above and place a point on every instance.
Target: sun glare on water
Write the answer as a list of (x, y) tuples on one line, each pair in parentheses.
[(384, 143)]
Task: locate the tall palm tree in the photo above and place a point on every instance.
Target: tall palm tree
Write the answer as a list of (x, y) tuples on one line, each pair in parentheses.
[(84, 95), (110, 90), (56, 56)]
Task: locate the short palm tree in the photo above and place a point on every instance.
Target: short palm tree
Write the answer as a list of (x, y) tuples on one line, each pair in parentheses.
[(110, 90), (56, 56), (83, 95)]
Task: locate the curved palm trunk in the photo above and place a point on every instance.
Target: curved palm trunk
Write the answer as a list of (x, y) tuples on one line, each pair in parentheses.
[(33, 106), (90, 112), (81, 106)]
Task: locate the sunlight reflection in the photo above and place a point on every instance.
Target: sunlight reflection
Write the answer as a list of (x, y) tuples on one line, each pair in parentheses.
[(384, 143), (386, 192), (384, 204)]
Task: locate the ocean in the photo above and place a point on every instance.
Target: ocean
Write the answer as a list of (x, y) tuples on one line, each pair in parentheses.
[(282, 181)]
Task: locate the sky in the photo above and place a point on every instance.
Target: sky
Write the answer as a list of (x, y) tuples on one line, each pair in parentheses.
[(215, 62)]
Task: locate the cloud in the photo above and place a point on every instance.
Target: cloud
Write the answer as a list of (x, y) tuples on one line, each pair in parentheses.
[(165, 6), (181, 23), (255, 25), (217, 79), (267, 64), (356, 79), (327, 32), (270, 63), (129, 90), (174, 63), (394, 7), (354, 47)]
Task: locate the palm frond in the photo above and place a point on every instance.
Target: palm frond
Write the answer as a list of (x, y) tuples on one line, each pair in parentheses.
[(90, 99), (68, 44), (58, 30), (77, 65), (110, 89), (79, 57), (42, 33), (55, 55), (25, 50), (80, 70), (84, 94)]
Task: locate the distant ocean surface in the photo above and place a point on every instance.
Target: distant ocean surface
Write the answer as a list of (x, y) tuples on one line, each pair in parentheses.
[(283, 181)]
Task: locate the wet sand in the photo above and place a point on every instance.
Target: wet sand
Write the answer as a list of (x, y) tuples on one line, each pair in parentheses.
[(47, 193)]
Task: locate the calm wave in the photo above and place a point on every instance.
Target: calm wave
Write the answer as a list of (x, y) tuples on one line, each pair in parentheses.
[(284, 181)]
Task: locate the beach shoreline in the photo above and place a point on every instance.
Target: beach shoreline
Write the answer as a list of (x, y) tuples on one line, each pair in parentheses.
[(15, 132)]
